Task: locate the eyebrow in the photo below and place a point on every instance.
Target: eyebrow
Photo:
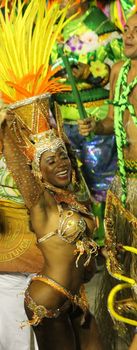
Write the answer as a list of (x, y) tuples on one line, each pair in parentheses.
[(126, 26), (50, 157)]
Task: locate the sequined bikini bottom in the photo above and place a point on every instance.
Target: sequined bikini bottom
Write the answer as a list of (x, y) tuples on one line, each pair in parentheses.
[(40, 311)]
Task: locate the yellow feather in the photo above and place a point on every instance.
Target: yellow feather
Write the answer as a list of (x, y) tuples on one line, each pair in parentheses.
[(27, 39), (30, 26), (20, 40), (9, 43), (48, 40), (13, 11), (36, 39)]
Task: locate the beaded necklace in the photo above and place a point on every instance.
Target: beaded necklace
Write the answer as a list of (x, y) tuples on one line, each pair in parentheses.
[(121, 102), (65, 196)]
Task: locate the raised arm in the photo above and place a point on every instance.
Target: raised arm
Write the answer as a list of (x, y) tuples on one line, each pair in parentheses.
[(20, 169)]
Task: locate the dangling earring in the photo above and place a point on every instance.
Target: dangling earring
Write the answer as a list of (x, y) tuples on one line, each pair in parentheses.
[(74, 182), (37, 174)]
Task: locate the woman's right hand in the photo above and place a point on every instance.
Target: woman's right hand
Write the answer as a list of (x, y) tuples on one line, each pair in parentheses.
[(86, 126)]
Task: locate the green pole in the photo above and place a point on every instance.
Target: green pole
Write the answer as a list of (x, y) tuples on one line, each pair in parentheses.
[(81, 109)]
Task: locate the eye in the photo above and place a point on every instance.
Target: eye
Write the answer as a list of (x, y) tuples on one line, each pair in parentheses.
[(125, 30), (50, 162), (63, 155)]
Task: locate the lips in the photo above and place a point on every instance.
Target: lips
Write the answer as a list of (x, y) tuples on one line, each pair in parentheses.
[(128, 45), (62, 174)]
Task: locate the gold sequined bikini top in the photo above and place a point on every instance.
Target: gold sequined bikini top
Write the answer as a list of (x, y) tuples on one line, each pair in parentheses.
[(71, 226), (72, 229)]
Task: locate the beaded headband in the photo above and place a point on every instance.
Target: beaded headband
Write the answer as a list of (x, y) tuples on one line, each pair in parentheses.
[(46, 141)]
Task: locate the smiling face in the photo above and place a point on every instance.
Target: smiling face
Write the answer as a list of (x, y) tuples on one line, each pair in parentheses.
[(56, 168), (130, 37)]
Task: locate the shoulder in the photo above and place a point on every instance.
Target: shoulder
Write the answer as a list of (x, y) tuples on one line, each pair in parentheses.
[(114, 75)]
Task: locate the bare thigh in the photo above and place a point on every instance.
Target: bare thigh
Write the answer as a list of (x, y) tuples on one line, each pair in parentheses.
[(52, 333), (87, 334)]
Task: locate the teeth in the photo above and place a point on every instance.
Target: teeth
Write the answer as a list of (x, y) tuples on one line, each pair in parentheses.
[(62, 173)]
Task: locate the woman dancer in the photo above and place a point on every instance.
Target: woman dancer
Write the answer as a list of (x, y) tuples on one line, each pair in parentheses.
[(54, 300), (36, 153)]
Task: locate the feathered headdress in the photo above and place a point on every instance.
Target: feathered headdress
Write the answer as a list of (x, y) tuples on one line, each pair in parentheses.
[(27, 39), (28, 34)]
